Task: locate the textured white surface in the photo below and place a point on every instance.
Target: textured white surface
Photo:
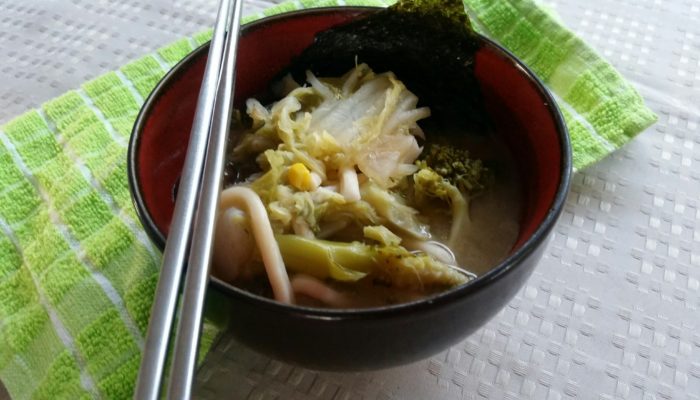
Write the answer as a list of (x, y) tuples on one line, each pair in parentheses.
[(612, 310), (48, 47)]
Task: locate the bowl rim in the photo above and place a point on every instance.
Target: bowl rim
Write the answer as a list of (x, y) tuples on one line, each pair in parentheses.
[(503, 268)]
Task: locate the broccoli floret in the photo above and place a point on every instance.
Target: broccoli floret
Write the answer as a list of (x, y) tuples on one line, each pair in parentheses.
[(467, 174), (447, 173), (400, 268), (427, 183)]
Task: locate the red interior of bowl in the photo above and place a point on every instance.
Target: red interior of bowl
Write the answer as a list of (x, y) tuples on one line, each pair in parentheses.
[(516, 104), (522, 116)]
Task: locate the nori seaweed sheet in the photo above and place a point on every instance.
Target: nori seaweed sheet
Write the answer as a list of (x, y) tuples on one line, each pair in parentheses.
[(428, 44)]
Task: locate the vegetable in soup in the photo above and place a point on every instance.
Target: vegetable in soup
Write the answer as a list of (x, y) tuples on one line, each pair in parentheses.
[(338, 198)]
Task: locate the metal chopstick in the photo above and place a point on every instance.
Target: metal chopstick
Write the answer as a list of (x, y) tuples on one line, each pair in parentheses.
[(197, 278), (177, 246)]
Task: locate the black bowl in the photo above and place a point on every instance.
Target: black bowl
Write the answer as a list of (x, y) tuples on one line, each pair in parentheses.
[(357, 339)]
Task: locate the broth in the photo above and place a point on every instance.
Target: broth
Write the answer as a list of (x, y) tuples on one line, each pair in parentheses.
[(484, 239), (487, 238), (494, 214)]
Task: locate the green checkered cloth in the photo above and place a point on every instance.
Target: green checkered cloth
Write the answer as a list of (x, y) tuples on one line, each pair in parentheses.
[(78, 273)]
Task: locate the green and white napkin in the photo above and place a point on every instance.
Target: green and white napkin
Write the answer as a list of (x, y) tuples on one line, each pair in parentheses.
[(77, 272)]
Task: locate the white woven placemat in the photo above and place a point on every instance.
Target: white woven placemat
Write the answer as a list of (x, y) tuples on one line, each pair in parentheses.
[(611, 311)]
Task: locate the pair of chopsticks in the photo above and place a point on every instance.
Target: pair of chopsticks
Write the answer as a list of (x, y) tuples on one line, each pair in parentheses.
[(192, 226)]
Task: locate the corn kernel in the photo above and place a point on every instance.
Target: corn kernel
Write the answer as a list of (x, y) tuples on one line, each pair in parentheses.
[(300, 177)]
